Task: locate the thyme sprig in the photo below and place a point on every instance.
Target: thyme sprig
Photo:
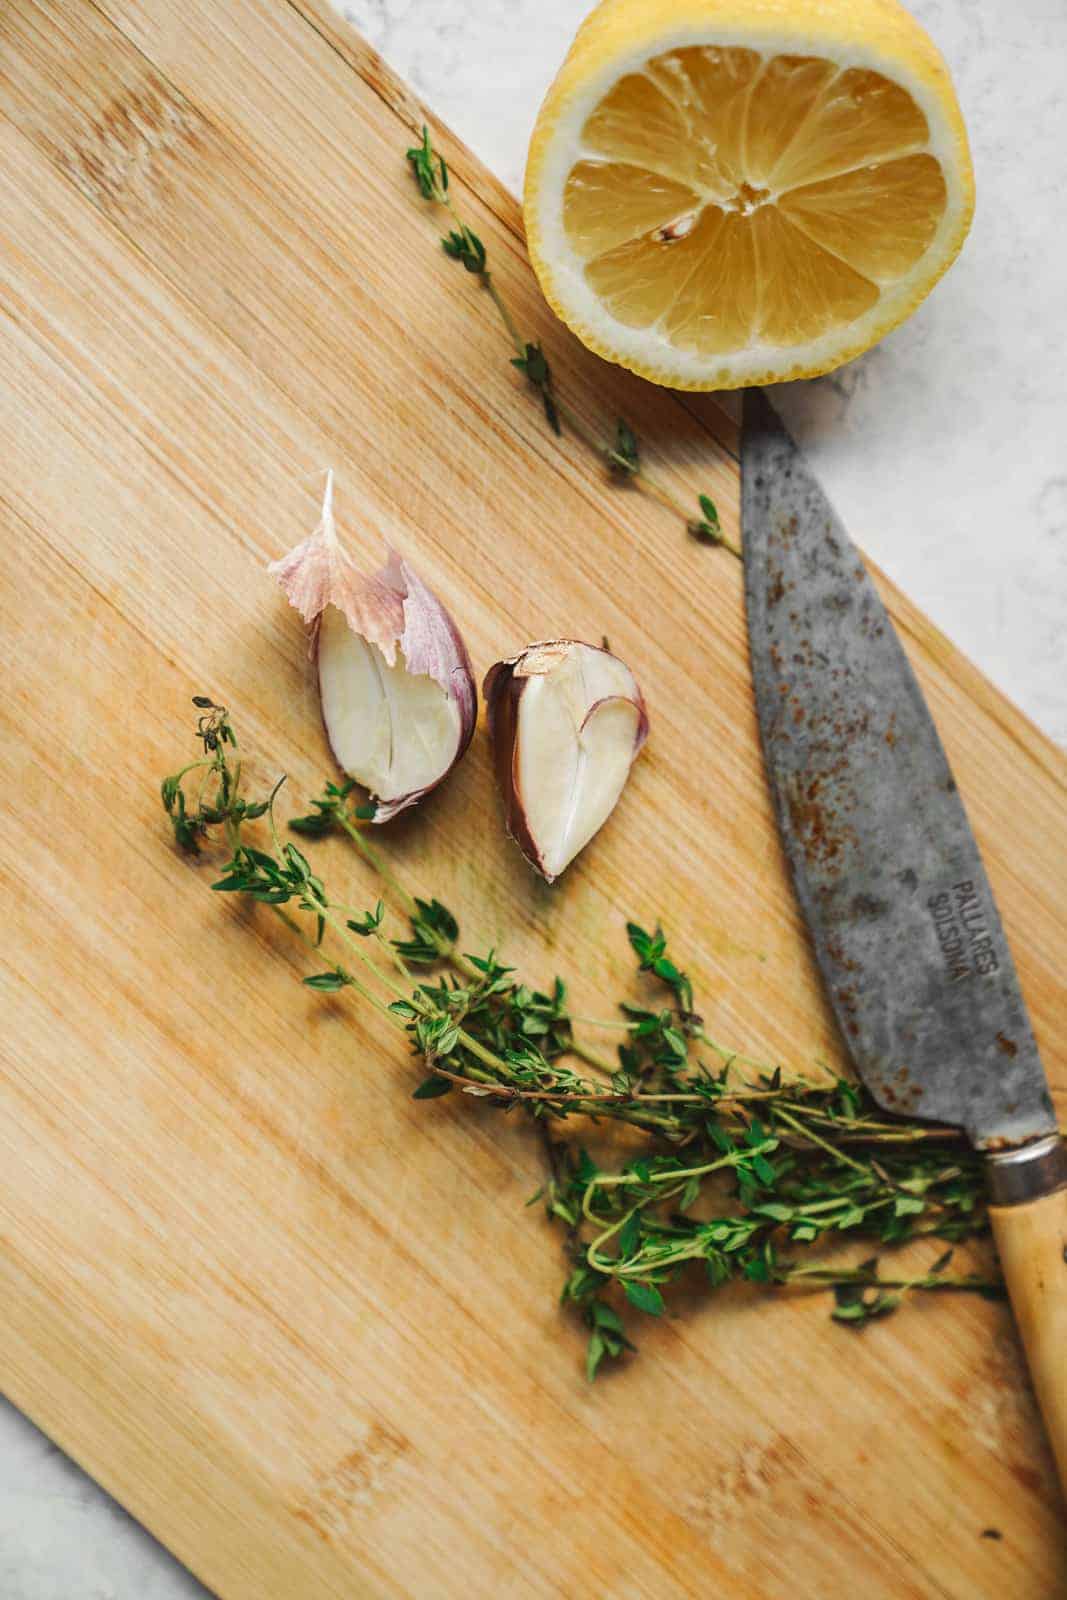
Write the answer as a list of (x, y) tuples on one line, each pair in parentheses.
[(742, 1169), (621, 455)]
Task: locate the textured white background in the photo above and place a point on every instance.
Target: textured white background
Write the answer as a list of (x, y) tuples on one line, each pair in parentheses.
[(945, 450)]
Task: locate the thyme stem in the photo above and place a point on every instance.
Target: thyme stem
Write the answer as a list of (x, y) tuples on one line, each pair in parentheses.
[(463, 245)]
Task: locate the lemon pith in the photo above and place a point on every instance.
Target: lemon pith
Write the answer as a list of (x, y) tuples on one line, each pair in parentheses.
[(722, 192)]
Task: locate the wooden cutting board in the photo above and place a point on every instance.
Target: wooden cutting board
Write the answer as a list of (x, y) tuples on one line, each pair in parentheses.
[(299, 1324)]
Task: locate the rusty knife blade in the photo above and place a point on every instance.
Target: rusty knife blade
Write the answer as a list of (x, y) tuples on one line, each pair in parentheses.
[(886, 868)]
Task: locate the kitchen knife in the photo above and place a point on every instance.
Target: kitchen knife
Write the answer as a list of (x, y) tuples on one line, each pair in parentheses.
[(890, 880)]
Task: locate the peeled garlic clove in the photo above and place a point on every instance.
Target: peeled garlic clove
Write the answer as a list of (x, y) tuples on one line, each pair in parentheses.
[(396, 687), (566, 721)]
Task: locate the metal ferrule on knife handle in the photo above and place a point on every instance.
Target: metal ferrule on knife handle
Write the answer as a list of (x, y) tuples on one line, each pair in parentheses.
[(1018, 1176)]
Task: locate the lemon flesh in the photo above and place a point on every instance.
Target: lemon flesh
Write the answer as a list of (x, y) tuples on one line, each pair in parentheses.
[(718, 214)]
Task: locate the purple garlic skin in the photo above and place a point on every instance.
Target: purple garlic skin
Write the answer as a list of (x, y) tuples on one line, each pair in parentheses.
[(566, 722), (396, 687)]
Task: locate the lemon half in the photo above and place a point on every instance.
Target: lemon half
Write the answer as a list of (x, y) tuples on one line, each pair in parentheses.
[(728, 192)]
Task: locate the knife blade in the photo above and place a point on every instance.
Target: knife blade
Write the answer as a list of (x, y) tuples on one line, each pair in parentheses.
[(888, 874)]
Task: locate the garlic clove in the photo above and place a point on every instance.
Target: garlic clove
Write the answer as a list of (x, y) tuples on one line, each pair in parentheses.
[(566, 721), (396, 687), (396, 732)]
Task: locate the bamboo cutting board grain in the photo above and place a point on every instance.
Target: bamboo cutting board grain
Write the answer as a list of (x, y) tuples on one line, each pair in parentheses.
[(300, 1325)]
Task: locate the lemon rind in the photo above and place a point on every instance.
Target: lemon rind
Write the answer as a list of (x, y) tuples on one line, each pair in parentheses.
[(557, 145)]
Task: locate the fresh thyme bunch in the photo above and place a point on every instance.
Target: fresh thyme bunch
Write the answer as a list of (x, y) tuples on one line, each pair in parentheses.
[(742, 1170)]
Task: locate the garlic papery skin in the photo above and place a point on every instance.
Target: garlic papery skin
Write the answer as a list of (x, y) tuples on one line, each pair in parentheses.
[(566, 721), (397, 692)]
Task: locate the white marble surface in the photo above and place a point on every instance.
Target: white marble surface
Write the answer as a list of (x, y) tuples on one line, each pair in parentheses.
[(63, 1538), (945, 449)]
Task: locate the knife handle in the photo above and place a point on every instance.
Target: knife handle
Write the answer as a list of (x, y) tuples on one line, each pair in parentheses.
[(1028, 1210)]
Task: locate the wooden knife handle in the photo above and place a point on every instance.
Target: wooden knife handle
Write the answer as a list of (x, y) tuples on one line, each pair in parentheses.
[(1028, 1210)]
